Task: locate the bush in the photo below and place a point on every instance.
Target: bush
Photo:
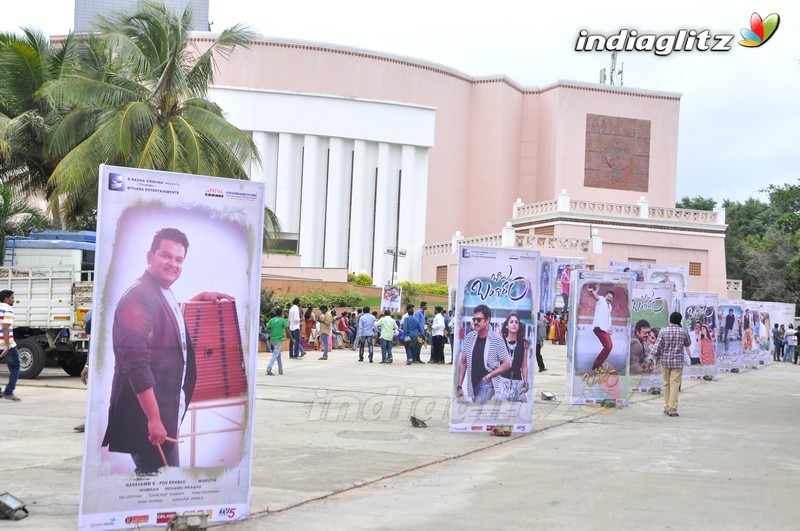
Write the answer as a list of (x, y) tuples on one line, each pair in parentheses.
[(318, 297), (363, 279), (429, 288)]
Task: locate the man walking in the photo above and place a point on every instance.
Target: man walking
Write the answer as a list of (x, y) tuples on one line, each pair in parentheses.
[(366, 323), (541, 332), (325, 320), (294, 328), (669, 348), (277, 332), (10, 352)]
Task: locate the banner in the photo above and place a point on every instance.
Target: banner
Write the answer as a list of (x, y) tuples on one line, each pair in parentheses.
[(495, 339), (700, 320), (390, 300), (599, 338), (678, 275), (782, 315), (554, 282), (637, 270), (730, 313), (173, 350), (650, 309)]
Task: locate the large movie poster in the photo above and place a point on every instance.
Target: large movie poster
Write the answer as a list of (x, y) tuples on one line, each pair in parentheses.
[(782, 316), (554, 282), (390, 300), (496, 339), (173, 350), (756, 323), (730, 314), (677, 275), (700, 320), (599, 338), (650, 309)]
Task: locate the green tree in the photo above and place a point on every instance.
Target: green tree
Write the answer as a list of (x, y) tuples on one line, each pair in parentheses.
[(18, 217), (145, 84), (696, 203), (28, 62)]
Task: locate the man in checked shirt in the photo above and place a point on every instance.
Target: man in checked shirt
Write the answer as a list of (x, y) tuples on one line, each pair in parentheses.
[(669, 348)]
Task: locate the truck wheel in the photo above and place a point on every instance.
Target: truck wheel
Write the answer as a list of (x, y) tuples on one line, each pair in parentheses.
[(74, 364), (31, 358)]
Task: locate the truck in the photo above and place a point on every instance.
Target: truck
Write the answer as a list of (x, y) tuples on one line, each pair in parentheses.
[(52, 276)]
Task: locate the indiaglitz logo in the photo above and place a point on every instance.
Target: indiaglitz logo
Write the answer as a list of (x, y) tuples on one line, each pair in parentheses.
[(680, 40), (229, 512), (215, 192), (140, 519), (760, 30)]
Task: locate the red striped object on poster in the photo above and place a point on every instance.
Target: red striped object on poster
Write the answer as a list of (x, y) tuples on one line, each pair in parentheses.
[(214, 332)]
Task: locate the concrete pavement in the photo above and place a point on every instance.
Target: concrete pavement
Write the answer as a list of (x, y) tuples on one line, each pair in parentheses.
[(334, 449)]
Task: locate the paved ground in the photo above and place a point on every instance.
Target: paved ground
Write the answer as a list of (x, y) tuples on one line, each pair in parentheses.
[(728, 462)]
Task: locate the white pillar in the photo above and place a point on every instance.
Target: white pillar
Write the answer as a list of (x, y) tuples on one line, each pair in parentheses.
[(386, 213), (267, 171), (337, 221), (362, 217), (644, 207), (720, 210), (508, 236), (312, 206), (597, 242), (413, 203), (563, 201), (287, 190)]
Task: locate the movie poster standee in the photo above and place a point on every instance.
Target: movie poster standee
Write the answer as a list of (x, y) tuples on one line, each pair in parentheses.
[(495, 335), (700, 320), (174, 347), (729, 356), (598, 350), (650, 309)]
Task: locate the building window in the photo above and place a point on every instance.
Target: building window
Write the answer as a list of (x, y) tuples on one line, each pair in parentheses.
[(441, 274), (549, 230), (695, 269)]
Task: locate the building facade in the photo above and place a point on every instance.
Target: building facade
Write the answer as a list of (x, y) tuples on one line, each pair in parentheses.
[(87, 11), (365, 152)]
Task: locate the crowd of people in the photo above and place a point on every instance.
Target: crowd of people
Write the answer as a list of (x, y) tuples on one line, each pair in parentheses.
[(360, 329)]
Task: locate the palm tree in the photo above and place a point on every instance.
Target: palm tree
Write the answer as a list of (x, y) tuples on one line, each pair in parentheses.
[(27, 62), (18, 217), (145, 84)]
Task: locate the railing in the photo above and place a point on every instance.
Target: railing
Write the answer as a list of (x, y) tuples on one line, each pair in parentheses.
[(682, 214), (490, 240), (438, 248), (604, 209), (535, 209), (537, 241), (734, 285)]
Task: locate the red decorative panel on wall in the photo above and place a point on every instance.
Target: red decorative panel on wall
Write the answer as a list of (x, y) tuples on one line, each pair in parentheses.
[(214, 332), (617, 153)]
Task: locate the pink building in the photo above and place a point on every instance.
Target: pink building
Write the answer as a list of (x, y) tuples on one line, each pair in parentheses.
[(364, 152)]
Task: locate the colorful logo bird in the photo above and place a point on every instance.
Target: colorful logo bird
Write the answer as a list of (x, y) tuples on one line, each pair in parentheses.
[(760, 30)]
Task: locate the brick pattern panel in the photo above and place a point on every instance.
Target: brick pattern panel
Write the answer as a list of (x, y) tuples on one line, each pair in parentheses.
[(617, 153)]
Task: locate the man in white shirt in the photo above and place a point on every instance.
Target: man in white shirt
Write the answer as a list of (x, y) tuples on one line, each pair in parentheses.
[(10, 352), (601, 324), (294, 327)]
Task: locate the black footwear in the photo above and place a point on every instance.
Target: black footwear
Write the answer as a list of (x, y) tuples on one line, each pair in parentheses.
[(542, 370), (270, 373), (674, 414), (80, 428), (370, 360), (383, 361), (389, 360), (666, 412), (324, 357), (360, 359), (409, 362)]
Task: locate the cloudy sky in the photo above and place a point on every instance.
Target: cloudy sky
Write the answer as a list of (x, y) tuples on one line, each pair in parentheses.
[(740, 110)]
